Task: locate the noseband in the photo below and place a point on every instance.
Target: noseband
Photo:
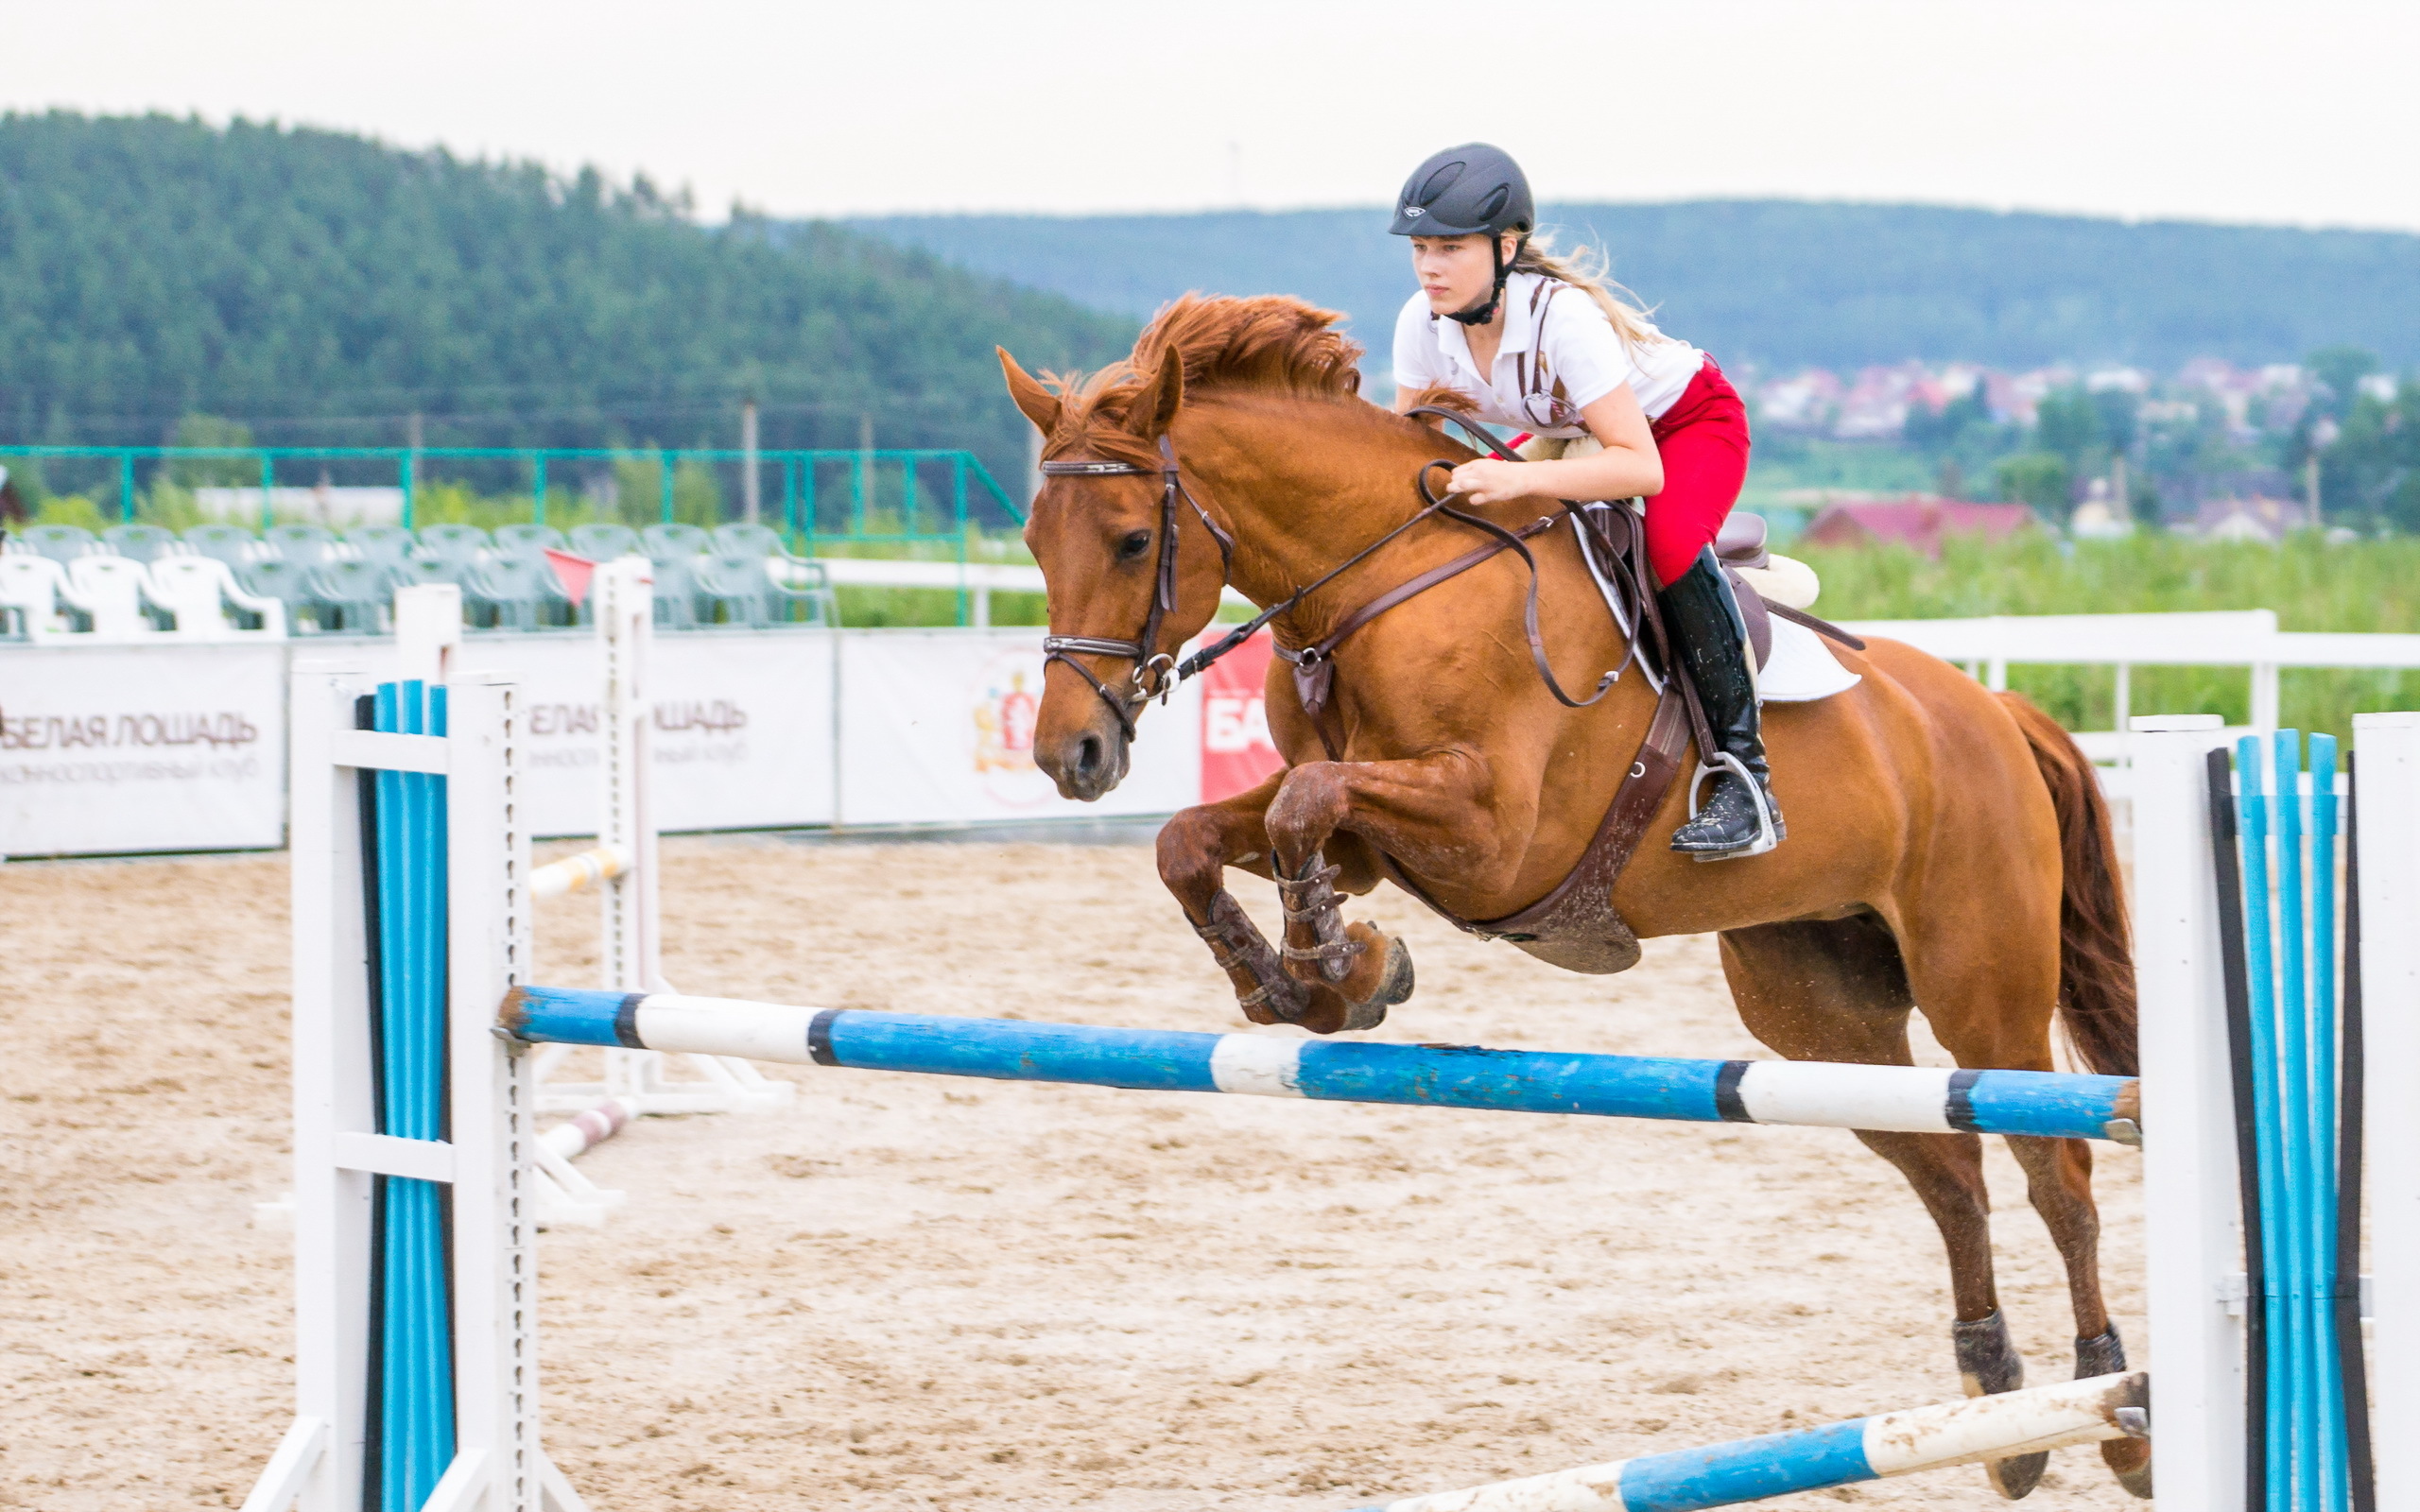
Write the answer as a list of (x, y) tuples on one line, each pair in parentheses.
[(1156, 673)]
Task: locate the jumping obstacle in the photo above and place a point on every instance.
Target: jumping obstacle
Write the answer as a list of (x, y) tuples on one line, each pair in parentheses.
[(1913, 1099), (416, 1313)]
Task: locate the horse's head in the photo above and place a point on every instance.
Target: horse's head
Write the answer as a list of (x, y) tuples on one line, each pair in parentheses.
[(1132, 573)]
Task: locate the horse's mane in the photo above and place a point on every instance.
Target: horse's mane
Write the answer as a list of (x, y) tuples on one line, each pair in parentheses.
[(1270, 343)]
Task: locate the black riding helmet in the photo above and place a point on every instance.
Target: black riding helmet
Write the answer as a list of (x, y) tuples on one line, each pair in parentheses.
[(1466, 191)]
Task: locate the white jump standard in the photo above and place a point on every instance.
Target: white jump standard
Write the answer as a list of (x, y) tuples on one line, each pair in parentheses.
[(1907, 1099)]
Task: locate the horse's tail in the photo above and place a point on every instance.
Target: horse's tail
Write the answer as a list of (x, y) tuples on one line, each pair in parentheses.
[(2096, 958)]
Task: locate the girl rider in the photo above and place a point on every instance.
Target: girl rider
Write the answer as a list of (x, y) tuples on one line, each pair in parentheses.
[(1622, 411)]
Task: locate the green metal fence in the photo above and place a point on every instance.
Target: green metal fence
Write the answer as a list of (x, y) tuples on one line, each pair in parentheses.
[(862, 492)]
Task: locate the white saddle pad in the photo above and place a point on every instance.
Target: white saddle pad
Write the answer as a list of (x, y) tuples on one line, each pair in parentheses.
[(1801, 668)]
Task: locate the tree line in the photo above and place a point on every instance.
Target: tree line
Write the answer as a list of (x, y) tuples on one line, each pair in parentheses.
[(320, 287)]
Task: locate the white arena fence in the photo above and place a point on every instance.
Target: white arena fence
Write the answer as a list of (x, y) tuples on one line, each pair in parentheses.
[(156, 746)]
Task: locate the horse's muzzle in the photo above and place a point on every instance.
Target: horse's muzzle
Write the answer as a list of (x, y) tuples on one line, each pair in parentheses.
[(1087, 762)]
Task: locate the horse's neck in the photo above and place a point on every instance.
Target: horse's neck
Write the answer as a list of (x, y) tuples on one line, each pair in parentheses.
[(1299, 490)]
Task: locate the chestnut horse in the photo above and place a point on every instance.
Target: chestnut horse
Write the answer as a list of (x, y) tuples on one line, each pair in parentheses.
[(1948, 846)]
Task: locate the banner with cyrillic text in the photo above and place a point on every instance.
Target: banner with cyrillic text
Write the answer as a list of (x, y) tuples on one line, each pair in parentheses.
[(127, 748), (742, 724)]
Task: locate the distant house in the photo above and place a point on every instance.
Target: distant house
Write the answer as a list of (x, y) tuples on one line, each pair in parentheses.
[(2259, 518), (1920, 520)]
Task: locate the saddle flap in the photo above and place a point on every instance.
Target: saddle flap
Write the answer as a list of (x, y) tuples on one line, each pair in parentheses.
[(1613, 544), (1754, 616)]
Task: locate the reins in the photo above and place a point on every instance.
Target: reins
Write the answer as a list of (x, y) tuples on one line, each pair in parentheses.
[(1157, 674)]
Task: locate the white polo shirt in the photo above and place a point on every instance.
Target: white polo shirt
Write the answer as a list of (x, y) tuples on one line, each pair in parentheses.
[(1582, 350)]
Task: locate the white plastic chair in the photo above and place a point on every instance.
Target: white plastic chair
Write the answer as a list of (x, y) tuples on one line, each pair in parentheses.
[(196, 590), (31, 591), (109, 590)]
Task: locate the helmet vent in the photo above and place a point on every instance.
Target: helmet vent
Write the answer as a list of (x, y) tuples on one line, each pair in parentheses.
[(1438, 183), (1494, 205)]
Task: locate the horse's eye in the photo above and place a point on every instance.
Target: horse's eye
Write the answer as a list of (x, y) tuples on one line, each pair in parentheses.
[(1135, 546)]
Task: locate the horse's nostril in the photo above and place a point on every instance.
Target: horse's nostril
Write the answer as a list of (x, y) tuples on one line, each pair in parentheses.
[(1088, 755)]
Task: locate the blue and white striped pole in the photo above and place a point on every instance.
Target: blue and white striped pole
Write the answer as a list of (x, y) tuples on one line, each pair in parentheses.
[(1910, 1099), (1867, 1449)]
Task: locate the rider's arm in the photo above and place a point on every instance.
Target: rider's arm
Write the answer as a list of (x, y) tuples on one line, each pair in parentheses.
[(1627, 467)]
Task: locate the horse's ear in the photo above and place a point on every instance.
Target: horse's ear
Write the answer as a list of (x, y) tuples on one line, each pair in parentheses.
[(1040, 404), (1153, 407)]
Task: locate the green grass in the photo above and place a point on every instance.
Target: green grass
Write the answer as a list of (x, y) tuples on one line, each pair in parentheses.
[(2364, 586)]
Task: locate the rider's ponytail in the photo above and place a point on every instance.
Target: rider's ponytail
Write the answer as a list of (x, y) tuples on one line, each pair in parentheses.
[(1585, 269)]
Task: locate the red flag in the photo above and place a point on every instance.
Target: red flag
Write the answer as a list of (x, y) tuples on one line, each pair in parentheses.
[(572, 572), (1237, 752)]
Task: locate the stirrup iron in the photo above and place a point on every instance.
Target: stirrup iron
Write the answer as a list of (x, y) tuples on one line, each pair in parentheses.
[(1766, 838)]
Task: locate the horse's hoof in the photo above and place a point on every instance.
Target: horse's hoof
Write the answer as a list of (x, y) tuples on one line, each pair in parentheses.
[(1381, 968), (1394, 985), (1989, 1365), (1329, 1011), (2016, 1476), (2130, 1460)]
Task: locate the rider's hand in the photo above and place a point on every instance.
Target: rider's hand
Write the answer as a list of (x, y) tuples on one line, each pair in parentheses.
[(1489, 481)]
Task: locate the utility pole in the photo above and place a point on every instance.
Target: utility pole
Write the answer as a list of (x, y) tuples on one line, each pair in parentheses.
[(748, 491), (865, 472), (412, 439)]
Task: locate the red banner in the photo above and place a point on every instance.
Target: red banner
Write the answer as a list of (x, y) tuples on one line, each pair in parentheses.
[(1235, 749)]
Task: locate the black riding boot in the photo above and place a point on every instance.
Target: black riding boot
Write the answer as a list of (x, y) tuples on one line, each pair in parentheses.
[(1711, 642)]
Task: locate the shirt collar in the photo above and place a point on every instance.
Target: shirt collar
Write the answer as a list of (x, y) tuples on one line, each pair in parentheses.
[(1520, 328)]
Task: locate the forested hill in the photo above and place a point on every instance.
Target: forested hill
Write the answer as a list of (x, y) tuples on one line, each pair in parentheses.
[(152, 268), (1787, 284)]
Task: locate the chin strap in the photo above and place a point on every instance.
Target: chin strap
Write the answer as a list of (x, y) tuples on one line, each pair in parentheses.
[(1481, 313)]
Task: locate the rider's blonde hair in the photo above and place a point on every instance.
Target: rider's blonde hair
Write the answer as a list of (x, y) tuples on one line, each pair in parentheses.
[(1584, 268)]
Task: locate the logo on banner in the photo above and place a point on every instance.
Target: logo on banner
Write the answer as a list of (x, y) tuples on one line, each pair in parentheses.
[(1005, 706), (1237, 752)]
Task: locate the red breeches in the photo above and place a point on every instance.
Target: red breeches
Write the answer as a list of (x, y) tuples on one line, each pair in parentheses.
[(1703, 441)]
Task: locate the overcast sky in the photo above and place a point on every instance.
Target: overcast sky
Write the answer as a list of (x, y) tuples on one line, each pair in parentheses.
[(2303, 115)]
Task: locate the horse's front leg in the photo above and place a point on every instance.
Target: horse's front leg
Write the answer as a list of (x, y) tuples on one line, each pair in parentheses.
[(1196, 847), (1427, 809)]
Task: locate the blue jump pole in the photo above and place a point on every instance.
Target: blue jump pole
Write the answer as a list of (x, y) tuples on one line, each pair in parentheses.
[(415, 1389), (1811, 1459), (1900, 1098)]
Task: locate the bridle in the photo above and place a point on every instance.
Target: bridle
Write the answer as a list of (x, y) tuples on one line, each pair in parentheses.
[(1156, 673)]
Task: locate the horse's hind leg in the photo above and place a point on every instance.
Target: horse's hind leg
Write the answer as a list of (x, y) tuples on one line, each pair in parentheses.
[(2058, 1176), (1837, 990), (1992, 1008)]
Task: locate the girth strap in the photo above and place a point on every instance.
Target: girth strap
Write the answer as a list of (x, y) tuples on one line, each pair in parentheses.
[(1576, 925)]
